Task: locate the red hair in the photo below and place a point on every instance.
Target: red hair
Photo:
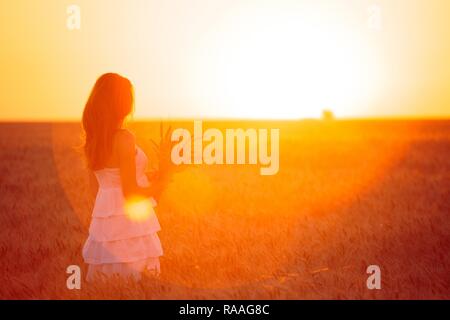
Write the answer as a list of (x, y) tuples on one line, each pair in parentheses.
[(110, 101)]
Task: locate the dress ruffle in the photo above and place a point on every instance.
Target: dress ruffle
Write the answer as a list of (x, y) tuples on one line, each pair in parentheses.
[(122, 251), (121, 227), (131, 269)]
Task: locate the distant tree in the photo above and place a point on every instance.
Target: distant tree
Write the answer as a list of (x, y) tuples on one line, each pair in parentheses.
[(327, 115)]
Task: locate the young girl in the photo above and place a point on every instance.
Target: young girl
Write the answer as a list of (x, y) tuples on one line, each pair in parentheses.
[(123, 233)]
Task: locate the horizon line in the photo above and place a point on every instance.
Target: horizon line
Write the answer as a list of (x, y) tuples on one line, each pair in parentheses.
[(169, 119)]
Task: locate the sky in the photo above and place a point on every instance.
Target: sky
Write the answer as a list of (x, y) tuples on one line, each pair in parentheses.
[(227, 58)]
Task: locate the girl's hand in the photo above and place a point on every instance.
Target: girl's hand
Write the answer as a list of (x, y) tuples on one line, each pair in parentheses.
[(163, 151)]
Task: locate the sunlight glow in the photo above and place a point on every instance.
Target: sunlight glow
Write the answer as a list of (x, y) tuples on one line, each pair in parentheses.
[(270, 64), (228, 59), (138, 208)]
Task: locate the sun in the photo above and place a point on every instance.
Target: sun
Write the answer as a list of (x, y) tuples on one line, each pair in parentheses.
[(276, 64)]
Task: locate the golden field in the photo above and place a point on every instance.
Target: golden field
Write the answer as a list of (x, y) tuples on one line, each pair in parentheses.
[(348, 194)]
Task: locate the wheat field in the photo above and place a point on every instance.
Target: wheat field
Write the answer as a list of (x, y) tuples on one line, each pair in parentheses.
[(348, 194)]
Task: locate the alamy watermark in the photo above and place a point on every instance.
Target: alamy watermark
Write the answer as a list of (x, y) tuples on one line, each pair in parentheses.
[(74, 279), (229, 149), (374, 280), (73, 21), (375, 17)]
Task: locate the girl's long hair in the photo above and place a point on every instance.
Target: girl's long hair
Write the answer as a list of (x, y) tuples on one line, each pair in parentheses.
[(110, 101)]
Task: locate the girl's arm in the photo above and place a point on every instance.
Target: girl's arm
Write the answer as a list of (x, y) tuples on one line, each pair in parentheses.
[(125, 144)]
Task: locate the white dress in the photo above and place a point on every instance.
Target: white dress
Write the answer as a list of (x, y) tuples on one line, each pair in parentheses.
[(118, 244)]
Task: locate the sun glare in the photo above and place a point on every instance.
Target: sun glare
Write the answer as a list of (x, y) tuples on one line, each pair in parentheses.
[(138, 209), (269, 64)]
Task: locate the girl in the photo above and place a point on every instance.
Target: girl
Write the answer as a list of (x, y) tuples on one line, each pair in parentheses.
[(123, 232)]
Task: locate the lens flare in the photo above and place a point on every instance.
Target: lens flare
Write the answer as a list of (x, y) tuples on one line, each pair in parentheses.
[(138, 208)]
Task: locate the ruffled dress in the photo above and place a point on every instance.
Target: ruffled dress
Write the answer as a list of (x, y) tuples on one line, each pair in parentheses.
[(118, 243)]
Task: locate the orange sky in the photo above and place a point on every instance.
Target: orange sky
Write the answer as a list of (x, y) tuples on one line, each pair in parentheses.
[(225, 58)]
